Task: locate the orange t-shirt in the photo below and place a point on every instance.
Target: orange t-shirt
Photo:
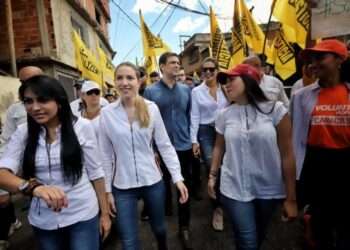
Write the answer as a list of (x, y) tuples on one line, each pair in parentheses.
[(330, 119)]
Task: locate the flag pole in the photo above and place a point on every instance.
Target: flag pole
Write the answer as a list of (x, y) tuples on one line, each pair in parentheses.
[(267, 29)]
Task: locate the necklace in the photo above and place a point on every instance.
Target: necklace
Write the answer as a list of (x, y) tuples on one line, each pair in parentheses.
[(92, 115)]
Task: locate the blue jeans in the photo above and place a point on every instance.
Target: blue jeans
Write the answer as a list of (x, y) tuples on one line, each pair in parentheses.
[(206, 139), (83, 235), (249, 220), (126, 201)]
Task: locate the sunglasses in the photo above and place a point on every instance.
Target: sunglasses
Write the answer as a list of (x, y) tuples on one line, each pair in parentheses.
[(211, 69), (93, 91), (142, 74)]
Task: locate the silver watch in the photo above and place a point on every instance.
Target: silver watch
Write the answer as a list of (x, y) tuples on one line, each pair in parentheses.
[(23, 185)]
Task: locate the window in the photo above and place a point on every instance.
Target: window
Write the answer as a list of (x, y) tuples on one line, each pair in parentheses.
[(194, 57), (67, 82), (81, 30)]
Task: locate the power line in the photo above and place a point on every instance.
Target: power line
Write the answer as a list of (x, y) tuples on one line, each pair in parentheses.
[(126, 15), (131, 50), (203, 7), (166, 21), (190, 10)]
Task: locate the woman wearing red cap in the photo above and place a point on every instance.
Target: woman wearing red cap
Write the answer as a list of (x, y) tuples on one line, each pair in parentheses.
[(321, 138), (254, 136)]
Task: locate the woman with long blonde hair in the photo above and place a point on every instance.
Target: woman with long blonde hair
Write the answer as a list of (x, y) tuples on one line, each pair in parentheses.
[(128, 128)]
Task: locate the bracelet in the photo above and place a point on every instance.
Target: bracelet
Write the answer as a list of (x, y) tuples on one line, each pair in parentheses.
[(212, 176), (213, 173), (33, 183)]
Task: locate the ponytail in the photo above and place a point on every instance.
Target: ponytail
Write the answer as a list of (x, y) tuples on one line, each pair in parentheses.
[(142, 111)]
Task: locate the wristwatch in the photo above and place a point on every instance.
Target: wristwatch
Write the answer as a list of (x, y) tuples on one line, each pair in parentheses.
[(23, 186)]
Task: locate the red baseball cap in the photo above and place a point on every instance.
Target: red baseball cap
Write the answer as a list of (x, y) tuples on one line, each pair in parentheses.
[(331, 45), (240, 69)]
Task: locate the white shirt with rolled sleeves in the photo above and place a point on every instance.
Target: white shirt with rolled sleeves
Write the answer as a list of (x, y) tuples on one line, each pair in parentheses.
[(204, 108), (252, 162), (132, 146), (82, 199), (274, 90)]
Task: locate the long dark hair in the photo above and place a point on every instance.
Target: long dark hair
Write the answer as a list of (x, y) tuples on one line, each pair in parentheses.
[(71, 153), (254, 94)]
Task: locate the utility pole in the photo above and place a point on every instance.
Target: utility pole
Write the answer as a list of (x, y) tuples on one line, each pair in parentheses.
[(8, 11), (182, 41)]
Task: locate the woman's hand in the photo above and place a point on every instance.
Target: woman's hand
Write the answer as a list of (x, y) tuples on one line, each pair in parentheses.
[(111, 205), (289, 210), (183, 191), (54, 197), (211, 187), (196, 150), (105, 226)]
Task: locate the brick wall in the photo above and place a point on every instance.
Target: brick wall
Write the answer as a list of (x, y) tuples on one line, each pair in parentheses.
[(26, 29)]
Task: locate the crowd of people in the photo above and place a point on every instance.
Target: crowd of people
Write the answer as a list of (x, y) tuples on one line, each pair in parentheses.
[(88, 163)]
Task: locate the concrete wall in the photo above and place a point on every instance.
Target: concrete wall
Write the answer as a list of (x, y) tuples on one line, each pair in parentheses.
[(8, 94), (61, 14)]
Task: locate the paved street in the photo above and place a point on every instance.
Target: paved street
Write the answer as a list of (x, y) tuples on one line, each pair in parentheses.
[(280, 236)]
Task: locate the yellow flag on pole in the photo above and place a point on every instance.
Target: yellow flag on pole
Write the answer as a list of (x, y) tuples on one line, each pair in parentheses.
[(295, 17), (238, 43), (152, 45), (150, 63), (107, 67), (86, 62), (218, 44), (253, 34), (195, 76), (282, 55)]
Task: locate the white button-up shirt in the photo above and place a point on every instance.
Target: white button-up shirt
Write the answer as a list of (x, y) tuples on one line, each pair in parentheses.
[(274, 90), (82, 199), (16, 115), (252, 162), (204, 107), (132, 146)]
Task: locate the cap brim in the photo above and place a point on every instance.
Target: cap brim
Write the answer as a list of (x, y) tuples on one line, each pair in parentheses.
[(305, 53), (222, 76)]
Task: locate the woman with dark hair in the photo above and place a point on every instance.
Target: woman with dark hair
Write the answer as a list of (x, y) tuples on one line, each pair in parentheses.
[(258, 169), (321, 138), (207, 99), (60, 170)]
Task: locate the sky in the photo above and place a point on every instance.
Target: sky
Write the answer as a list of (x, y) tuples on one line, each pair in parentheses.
[(125, 35)]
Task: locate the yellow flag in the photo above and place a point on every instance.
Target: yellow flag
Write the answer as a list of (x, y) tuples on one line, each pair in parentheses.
[(238, 44), (253, 34), (218, 44), (150, 64), (195, 76), (86, 62), (295, 18), (282, 55), (107, 67), (152, 45)]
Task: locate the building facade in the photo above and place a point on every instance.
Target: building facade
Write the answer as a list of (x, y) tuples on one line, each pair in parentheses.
[(43, 35)]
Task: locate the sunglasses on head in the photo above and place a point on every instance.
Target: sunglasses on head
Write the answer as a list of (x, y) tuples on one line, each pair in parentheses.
[(211, 69), (93, 91)]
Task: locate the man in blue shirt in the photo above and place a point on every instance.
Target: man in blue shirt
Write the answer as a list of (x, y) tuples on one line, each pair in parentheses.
[(174, 102)]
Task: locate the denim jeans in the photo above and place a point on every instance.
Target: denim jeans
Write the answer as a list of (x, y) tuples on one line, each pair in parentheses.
[(83, 235), (249, 220), (206, 139), (126, 201)]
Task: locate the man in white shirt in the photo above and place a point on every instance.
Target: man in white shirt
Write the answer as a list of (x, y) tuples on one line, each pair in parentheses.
[(16, 115), (270, 85)]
